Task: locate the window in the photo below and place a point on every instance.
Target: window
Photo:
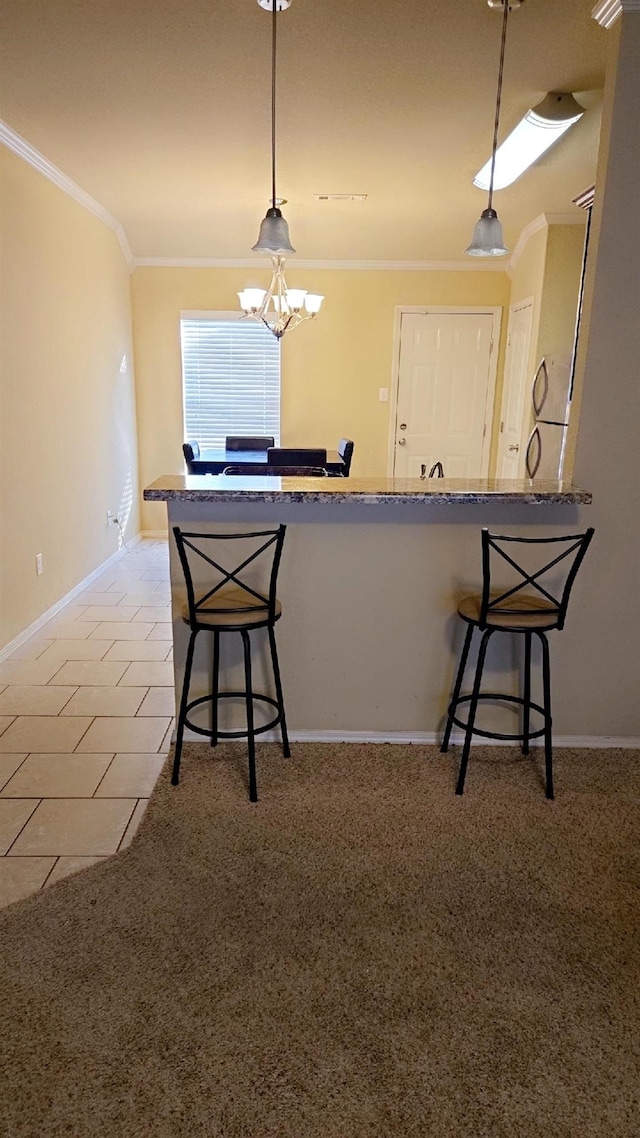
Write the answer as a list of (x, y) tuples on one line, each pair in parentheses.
[(230, 378)]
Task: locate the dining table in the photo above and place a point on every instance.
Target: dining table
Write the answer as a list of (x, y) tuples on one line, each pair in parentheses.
[(215, 461)]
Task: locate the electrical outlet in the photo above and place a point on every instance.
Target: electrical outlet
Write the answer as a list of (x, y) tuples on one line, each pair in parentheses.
[(38, 563), (109, 517), (383, 394)]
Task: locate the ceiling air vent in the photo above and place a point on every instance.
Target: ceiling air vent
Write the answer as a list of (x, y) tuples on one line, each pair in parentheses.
[(340, 197)]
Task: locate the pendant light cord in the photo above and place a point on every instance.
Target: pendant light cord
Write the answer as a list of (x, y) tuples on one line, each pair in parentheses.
[(273, 103), (498, 100)]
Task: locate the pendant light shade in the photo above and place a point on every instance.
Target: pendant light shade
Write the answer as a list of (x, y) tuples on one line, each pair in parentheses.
[(274, 235), (487, 240)]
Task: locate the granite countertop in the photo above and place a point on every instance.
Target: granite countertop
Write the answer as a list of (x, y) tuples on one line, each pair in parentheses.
[(372, 491)]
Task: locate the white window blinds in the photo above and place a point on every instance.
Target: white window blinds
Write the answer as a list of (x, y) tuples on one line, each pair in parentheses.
[(230, 377)]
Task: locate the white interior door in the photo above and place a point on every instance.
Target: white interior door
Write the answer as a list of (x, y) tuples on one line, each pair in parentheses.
[(445, 392), (515, 393)]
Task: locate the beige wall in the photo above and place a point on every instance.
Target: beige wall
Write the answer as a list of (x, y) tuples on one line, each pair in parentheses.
[(608, 385), (68, 445), (527, 281), (332, 368), (561, 285)]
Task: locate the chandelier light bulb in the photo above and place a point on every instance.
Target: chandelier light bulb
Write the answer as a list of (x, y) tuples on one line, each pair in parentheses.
[(295, 298), (251, 298), (313, 302)]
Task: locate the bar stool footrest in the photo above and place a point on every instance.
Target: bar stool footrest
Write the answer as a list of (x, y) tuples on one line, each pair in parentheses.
[(496, 697), (241, 734)]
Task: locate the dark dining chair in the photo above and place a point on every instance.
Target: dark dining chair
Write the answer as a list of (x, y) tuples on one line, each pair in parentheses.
[(345, 450), (530, 598), (263, 468), (191, 451), (298, 456), (248, 442)]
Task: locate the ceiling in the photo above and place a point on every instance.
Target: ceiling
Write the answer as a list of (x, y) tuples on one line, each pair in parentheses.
[(161, 112)]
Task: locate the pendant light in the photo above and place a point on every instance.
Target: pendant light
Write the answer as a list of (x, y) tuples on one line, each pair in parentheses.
[(487, 240), (274, 231), (278, 307)]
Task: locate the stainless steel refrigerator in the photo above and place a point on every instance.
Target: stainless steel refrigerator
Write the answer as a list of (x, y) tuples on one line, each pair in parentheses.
[(551, 397)]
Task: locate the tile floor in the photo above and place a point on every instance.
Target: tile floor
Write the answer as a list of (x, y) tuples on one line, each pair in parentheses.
[(86, 714)]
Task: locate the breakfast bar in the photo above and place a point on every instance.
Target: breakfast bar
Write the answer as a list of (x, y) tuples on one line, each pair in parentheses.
[(371, 573)]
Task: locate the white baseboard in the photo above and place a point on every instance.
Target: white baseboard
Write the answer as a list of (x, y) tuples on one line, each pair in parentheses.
[(431, 739), (55, 608)]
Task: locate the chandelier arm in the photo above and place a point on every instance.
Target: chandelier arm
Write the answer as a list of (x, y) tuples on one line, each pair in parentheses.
[(498, 100), (273, 101)]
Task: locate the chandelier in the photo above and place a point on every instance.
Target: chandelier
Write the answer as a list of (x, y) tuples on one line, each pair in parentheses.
[(278, 307)]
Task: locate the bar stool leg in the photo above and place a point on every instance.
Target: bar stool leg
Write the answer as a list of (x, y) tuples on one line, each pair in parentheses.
[(215, 688), (526, 708), (473, 707), (279, 695), (251, 741), (182, 714), (456, 690), (546, 684)]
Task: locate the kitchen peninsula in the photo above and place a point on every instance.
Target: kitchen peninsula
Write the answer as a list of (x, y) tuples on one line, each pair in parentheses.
[(370, 577)]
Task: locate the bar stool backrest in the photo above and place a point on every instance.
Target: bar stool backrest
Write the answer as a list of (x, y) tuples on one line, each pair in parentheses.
[(244, 564), (248, 442), (546, 569)]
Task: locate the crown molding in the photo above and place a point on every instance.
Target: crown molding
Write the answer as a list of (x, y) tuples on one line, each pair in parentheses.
[(543, 221), (28, 153), (526, 234), (564, 218), (606, 12), (363, 266)]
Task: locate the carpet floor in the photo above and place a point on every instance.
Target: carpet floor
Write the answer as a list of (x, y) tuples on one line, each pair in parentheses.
[(359, 954)]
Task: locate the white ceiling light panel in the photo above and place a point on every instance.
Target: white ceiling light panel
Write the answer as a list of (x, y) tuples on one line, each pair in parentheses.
[(543, 125)]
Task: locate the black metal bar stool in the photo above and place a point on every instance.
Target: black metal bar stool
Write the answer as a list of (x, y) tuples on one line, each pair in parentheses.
[(532, 601), (241, 599)]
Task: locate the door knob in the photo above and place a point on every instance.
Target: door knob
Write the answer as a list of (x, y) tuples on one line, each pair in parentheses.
[(402, 442), (514, 447), (403, 426)]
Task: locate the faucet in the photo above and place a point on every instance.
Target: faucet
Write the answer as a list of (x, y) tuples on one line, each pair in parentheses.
[(436, 470)]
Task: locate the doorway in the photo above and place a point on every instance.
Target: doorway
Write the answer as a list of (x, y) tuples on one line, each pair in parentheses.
[(511, 443), (443, 391)]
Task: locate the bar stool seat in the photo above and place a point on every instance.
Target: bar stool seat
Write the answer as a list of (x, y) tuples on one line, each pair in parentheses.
[(535, 613), (234, 609), (237, 596), (532, 602)]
